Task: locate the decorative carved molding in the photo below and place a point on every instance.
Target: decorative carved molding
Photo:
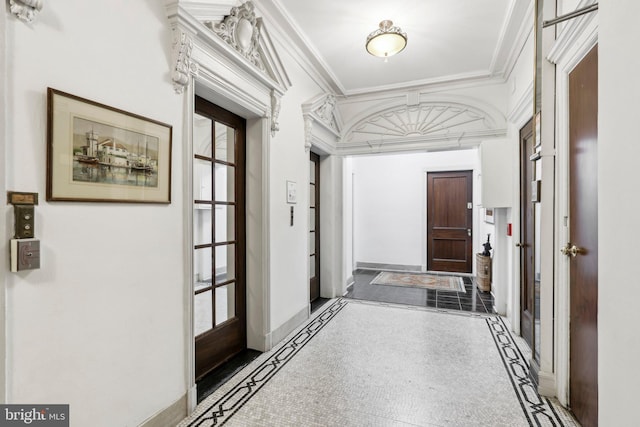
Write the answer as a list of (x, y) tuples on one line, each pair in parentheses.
[(326, 111), (183, 67), (241, 31), (424, 120), (275, 112), (308, 132), (26, 10)]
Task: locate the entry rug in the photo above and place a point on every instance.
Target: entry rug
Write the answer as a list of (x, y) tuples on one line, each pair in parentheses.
[(360, 363), (418, 280)]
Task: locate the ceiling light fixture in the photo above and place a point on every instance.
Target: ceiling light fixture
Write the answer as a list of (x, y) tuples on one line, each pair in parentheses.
[(386, 41)]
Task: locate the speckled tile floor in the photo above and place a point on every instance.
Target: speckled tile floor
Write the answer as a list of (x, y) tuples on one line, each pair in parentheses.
[(357, 363)]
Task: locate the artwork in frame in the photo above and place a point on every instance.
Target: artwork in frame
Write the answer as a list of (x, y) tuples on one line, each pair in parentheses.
[(97, 153)]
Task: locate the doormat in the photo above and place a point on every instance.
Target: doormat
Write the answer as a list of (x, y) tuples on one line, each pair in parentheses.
[(414, 280)]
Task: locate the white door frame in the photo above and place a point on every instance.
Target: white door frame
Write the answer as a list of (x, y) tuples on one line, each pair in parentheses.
[(578, 38)]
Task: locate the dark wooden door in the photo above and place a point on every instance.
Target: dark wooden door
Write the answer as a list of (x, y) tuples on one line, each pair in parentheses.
[(219, 236), (449, 221), (583, 233), (527, 281), (314, 227)]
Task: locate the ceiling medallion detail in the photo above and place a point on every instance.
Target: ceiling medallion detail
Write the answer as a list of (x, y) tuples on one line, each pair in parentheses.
[(241, 31), (386, 41)]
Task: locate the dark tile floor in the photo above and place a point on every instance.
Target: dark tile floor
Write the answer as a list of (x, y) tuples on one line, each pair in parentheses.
[(472, 300), (214, 379)]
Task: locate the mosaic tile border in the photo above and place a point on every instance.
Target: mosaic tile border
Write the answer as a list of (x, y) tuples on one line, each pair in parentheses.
[(538, 411), (219, 412)]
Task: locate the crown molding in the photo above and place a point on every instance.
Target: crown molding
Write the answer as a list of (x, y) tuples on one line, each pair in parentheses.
[(519, 32), (291, 35), (572, 32)]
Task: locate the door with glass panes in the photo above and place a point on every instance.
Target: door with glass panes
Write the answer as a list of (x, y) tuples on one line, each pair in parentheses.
[(218, 235)]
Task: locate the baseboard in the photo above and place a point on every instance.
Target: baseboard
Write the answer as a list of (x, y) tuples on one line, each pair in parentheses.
[(546, 384), (170, 416), (387, 267), (350, 282), (289, 326)]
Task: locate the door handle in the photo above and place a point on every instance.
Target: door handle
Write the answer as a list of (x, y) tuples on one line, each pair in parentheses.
[(469, 232), (521, 245), (572, 250)]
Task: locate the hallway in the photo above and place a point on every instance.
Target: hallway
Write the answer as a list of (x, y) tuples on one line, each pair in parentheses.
[(358, 363)]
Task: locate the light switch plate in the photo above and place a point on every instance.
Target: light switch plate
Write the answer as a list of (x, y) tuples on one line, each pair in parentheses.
[(25, 254)]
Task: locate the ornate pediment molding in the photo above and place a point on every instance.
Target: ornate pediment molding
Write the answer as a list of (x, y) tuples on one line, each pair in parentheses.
[(230, 48), (322, 122), (26, 10), (241, 31)]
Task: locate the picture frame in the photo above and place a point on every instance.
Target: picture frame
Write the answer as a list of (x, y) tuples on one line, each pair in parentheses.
[(488, 216), (292, 196), (98, 153)]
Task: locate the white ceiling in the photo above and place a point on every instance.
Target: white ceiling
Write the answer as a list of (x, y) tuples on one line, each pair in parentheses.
[(449, 40)]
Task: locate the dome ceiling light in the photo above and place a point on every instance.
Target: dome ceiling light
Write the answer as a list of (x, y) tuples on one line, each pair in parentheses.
[(386, 41)]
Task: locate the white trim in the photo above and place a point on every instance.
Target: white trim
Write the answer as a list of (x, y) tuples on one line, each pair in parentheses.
[(567, 58), (188, 100), (3, 187), (290, 325), (171, 415)]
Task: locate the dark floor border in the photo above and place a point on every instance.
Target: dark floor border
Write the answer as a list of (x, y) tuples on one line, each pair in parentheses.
[(217, 413), (538, 410)]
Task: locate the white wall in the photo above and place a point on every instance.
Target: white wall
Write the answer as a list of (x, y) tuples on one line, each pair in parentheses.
[(101, 324), (618, 153), (290, 162), (390, 203)]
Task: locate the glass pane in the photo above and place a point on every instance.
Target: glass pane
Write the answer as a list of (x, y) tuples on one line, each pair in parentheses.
[(202, 267), (203, 316), (225, 143), (312, 219), (312, 243), (202, 135), (225, 303), (201, 224), (225, 183), (312, 172), (312, 195), (201, 179), (225, 223), (312, 266), (225, 263)]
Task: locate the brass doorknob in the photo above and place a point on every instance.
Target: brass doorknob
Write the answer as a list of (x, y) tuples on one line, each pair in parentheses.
[(572, 250)]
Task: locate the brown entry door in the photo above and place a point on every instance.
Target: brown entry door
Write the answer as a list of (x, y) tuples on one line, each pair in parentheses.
[(583, 247), (527, 279), (219, 236), (314, 227), (449, 219)]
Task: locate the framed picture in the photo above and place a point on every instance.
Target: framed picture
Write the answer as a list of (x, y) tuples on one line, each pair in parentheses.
[(97, 153), (292, 197), (488, 216)]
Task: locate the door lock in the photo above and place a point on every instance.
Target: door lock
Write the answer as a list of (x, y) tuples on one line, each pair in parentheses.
[(469, 232)]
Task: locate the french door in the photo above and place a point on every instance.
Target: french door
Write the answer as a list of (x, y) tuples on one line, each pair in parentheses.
[(218, 235), (314, 227)]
